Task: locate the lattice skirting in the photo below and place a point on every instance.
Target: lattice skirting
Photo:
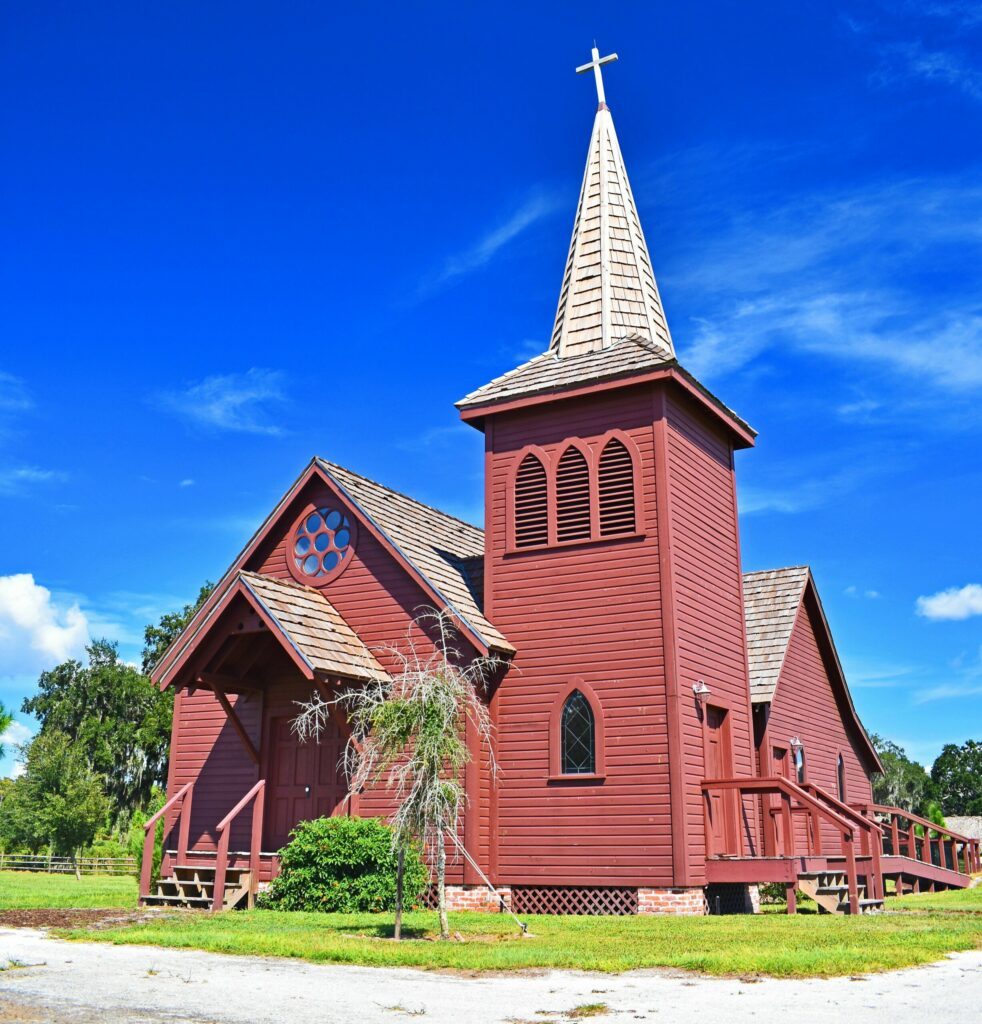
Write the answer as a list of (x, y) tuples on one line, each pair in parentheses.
[(574, 899)]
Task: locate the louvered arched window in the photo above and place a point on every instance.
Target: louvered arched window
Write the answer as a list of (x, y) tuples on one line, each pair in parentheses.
[(531, 503), (573, 496), (616, 484), (578, 729), (840, 778)]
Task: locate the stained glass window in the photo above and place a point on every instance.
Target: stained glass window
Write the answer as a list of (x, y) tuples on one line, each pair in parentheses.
[(322, 543), (578, 740)]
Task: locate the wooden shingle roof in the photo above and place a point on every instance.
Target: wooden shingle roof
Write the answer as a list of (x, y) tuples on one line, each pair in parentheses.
[(609, 320), (447, 552), (608, 290), (551, 372), (314, 627), (771, 599)]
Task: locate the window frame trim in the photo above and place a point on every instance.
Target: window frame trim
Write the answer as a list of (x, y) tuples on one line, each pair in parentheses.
[(556, 773), (550, 462), (544, 458)]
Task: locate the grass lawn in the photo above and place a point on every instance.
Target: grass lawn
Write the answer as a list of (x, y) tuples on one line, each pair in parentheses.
[(800, 946), (21, 890)]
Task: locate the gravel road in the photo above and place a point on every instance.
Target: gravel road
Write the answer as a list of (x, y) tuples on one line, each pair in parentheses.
[(55, 982)]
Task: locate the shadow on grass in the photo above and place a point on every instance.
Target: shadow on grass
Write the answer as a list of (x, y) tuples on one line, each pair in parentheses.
[(387, 931)]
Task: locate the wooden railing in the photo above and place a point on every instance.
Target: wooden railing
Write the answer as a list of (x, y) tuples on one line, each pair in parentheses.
[(951, 847), (183, 797), (224, 833), (870, 834), (818, 808)]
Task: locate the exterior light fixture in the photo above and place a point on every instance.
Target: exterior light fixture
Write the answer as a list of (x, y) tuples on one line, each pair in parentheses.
[(701, 691), (796, 745)]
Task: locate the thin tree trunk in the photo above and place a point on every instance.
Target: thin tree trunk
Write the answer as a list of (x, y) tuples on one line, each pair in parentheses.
[(441, 884), (75, 864), (400, 868)]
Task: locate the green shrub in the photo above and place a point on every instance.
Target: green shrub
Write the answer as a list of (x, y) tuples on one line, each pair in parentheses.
[(343, 865)]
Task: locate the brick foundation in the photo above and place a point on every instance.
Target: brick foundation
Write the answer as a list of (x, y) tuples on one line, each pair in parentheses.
[(690, 902), (476, 897)]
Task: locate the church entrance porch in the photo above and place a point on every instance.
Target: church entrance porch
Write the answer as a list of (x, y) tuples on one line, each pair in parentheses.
[(303, 780)]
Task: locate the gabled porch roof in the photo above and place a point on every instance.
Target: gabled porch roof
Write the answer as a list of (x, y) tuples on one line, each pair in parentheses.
[(301, 619)]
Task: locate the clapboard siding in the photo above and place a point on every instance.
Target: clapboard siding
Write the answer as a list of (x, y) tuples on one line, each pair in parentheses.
[(590, 611), (378, 599), (708, 604), (808, 703)]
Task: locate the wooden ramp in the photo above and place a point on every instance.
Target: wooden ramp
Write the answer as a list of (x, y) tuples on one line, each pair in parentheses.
[(780, 839)]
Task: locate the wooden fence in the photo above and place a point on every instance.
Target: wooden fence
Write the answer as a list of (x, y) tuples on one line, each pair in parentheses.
[(64, 865)]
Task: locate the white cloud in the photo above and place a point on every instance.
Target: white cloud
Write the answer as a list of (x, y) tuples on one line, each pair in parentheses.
[(16, 480), (239, 402), (948, 691), (952, 604), (188, 482), (853, 591), (903, 61), (830, 274), (15, 735), (13, 394), (485, 249), (35, 631)]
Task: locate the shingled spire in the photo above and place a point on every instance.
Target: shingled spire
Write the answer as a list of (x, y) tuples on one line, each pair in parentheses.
[(609, 290)]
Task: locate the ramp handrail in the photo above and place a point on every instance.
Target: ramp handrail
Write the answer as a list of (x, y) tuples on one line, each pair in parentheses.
[(971, 861), (871, 830)]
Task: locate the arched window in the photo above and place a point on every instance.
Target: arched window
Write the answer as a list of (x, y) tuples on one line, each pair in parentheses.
[(578, 735), (840, 777), (573, 496), (531, 503), (616, 483)]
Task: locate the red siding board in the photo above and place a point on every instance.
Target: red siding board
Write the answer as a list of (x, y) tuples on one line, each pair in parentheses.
[(806, 705)]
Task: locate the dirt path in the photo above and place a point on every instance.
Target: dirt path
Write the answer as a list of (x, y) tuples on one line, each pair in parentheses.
[(58, 982)]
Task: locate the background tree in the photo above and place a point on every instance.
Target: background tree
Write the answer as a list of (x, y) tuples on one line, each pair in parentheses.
[(156, 639), (116, 718), (957, 778), (57, 803), (408, 732), (6, 720), (904, 783)]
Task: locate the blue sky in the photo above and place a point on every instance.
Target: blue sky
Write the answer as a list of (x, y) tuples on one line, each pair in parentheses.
[(236, 235)]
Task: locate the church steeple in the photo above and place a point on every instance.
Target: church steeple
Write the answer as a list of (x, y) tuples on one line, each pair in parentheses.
[(609, 290)]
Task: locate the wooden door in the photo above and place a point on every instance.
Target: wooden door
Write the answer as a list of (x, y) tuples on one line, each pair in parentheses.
[(781, 767), (719, 765), (304, 780)]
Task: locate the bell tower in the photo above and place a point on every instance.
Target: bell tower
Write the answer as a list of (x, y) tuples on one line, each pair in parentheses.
[(612, 564)]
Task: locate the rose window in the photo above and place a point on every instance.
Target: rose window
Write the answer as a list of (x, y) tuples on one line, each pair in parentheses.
[(322, 543)]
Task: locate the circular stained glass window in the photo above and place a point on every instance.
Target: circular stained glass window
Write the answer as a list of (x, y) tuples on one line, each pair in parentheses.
[(321, 544)]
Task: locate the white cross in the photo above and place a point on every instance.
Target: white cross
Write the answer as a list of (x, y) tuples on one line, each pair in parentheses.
[(596, 64)]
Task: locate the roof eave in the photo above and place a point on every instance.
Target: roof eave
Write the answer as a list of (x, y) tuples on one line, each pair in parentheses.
[(743, 434)]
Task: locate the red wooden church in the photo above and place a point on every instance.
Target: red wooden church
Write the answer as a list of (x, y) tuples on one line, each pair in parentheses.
[(669, 731)]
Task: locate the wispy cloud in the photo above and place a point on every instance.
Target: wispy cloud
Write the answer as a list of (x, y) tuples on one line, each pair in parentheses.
[(792, 493), (14, 396), (238, 402), (948, 691), (186, 482), (17, 480), (953, 604), (835, 274), (474, 257), (854, 591), (911, 60)]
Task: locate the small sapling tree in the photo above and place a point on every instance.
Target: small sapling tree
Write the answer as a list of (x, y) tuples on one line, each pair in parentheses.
[(408, 732)]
